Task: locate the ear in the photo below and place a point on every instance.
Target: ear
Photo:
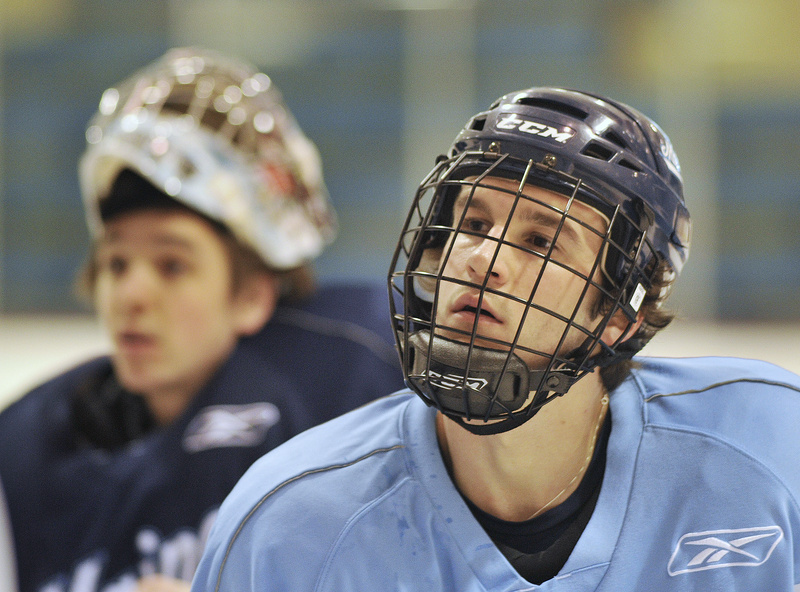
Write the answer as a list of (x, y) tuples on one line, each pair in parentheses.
[(255, 302), (620, 328)]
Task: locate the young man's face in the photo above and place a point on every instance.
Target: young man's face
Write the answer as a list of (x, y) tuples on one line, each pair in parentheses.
[(515, 272), (163, 290)]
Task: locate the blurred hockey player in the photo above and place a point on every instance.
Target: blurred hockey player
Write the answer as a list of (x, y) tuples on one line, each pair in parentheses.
[(207, 207)]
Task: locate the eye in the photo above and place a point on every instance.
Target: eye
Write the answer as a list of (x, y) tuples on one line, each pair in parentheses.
[(112, 263), (172, 267), (475, 224), (540, 243)]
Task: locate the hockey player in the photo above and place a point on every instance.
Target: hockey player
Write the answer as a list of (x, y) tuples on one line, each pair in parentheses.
[(534, 449), (207, 206)]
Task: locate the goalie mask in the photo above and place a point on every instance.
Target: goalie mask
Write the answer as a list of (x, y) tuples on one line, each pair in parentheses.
[(214, 134), (528, 251)]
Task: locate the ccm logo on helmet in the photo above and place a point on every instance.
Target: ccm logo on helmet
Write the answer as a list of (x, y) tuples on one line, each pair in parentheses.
[(510, 121)]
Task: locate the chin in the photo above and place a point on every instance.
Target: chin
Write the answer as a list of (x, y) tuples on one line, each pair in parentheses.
[(135, 380)]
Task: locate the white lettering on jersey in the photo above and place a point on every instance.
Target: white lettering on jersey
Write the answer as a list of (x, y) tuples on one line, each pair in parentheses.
[(176, 557), (699, 551), (510, 121)]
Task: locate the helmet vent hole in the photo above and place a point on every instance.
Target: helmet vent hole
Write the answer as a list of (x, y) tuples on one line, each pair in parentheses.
[(551, 105), (614, 137), (477, 124), (213, 119), (595, 150), (628, 164)]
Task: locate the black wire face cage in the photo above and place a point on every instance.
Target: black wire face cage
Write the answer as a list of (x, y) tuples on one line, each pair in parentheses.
[(489, 348)]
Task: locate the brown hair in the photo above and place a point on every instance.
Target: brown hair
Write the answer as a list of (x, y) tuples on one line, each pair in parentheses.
[(656, 318)]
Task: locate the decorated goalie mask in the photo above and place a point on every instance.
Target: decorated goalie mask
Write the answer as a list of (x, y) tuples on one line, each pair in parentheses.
[(528, 251), (214, 134)]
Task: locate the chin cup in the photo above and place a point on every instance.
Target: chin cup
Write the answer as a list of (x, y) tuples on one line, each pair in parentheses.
[(473, 382)]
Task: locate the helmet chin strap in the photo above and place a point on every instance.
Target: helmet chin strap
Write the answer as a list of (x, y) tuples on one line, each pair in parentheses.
[(477, 383)]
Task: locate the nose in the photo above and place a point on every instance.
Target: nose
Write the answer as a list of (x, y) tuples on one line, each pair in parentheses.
[(488, 258), (134, 289)]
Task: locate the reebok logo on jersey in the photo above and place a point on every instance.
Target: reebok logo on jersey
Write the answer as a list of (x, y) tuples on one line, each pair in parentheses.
[(510, 121), (230, 425), (748, 547)]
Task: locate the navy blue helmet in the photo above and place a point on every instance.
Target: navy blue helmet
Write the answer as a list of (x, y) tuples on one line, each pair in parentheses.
[(546, 157)]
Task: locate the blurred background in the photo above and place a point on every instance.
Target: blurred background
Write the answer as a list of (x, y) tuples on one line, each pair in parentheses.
[(382, 87)]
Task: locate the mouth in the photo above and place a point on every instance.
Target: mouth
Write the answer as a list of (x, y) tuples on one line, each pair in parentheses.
[(484, 314), (467, 307), (133, 342)]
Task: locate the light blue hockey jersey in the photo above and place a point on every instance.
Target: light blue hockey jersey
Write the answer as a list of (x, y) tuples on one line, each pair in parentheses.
[(700, 492)]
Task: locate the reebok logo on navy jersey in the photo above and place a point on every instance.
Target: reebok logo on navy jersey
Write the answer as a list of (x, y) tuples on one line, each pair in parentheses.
[(230, 425), (510, 121), (699, 551)]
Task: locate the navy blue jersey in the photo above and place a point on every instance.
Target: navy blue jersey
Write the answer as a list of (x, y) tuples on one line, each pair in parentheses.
[(89, 518)]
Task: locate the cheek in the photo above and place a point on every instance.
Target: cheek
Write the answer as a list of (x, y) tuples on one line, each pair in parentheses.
[(208, 315), (559, 288), (554, 303), (199, 312), (454, 259), (102, 297)]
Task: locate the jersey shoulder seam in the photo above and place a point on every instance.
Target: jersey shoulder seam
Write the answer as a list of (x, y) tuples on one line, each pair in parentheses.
[(712, 386)]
